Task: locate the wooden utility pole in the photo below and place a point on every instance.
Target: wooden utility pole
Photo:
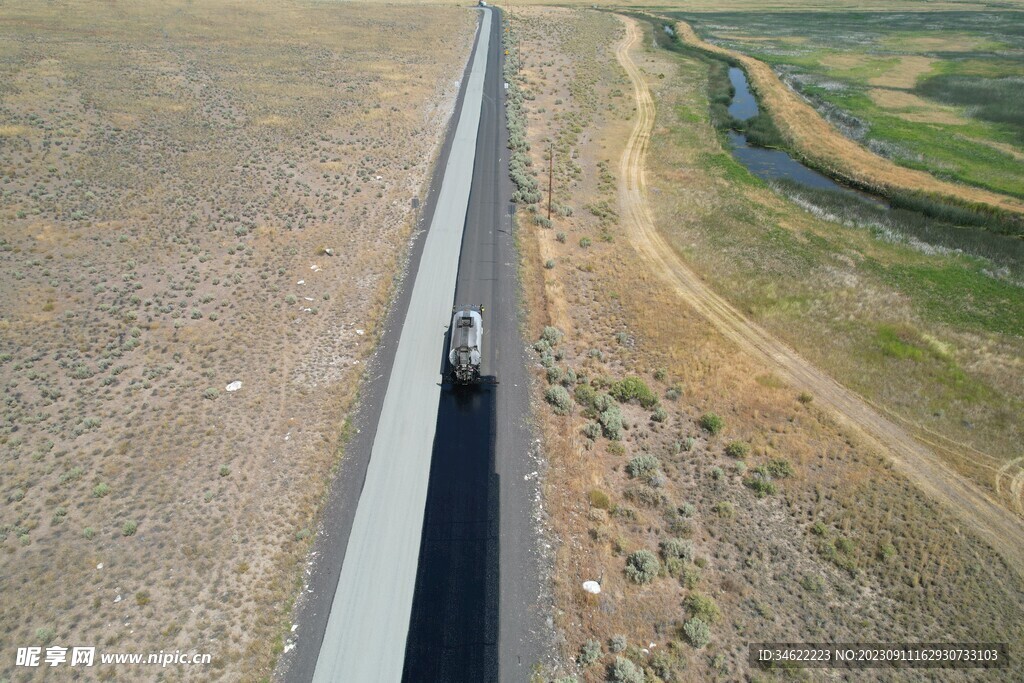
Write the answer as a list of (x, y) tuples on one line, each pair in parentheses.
[(551, 173)]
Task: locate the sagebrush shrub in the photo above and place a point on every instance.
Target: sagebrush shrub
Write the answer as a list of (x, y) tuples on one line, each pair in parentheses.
[(642, 566), (633, 389), (760, 483), (779, 468), (678, 548), (611, 423), (737, 449), (625, 671), (559, 399), (711, 423), (702, 607), (644, 464), (590, 652), (697, 632)]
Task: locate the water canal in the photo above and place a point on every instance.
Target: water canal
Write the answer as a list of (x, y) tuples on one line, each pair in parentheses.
[(819, 193)]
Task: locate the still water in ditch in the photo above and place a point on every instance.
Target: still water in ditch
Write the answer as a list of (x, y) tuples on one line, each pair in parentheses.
[(769, 164)]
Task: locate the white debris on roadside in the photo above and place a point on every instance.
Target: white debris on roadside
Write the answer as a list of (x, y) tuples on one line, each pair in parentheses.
[(301, 282), (99, 566), (234, 386), (360, 332), (315, 268)]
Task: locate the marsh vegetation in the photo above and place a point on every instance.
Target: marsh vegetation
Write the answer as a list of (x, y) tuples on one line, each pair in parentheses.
[(937, 91)]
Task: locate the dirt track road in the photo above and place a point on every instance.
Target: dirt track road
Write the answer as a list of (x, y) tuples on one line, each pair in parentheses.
[(1000, 527)]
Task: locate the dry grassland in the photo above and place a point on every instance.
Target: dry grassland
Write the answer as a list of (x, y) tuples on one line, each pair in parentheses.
[(171, 175), (786, 525), (816, 139), (913, 108), (904, 73)]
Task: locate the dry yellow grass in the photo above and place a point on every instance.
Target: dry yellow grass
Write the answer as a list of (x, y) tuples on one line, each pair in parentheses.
[(759, 559), (1001, 147), (913, 108), (905, 73), (169, 172), (8, 131), (813, 137), (842, 60)]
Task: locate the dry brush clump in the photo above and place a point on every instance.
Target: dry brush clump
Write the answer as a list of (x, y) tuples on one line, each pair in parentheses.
[(193, 195)]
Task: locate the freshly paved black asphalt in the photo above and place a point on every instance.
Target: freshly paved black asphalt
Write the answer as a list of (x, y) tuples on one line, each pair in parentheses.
[(475, 612)]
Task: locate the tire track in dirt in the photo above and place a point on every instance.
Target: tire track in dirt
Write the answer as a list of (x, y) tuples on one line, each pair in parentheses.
[(1016, 481), (997, 525)]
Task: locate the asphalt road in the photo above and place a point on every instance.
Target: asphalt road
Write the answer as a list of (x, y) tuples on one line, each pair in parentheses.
[(475, 606), (474, 611), (369, 617)]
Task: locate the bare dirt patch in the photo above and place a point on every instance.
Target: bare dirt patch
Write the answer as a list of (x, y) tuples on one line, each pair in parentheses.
[(843, 60)]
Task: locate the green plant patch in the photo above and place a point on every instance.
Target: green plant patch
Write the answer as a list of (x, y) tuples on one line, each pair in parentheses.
[(960, 296)]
